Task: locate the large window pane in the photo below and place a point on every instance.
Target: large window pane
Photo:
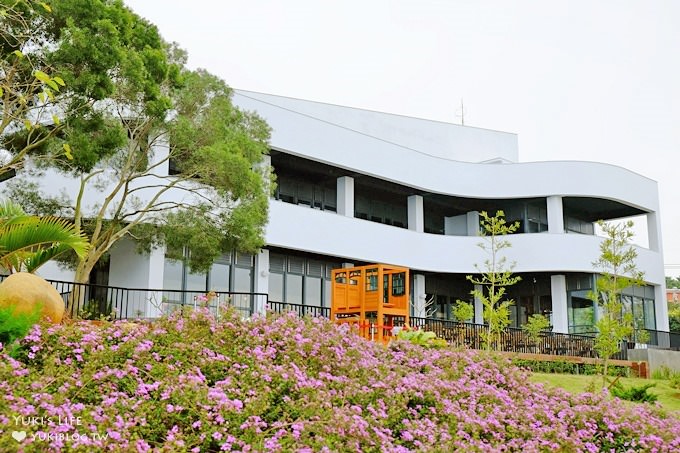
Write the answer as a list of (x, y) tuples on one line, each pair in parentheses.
[(172, 275), (196, 282), (327, 293), (219, 277), (312, 291), (243, 279), (638, 312), (650, 315), (276, 287), (581, 312), (294, 289)]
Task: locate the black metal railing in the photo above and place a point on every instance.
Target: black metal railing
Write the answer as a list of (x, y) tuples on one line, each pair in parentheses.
[(662, 340), (299, 309), (89, 301), (512, 339)]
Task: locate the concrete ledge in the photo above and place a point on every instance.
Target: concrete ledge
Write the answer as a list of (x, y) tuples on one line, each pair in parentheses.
[(657, 358)]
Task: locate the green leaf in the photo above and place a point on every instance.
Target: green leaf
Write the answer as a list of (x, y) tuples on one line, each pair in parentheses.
[(2, 92), (55, 120), (53, 85), (27, 125), (46, 7), (18, 53), (42, 96), (67, 151), (59, 80), (41, 76)]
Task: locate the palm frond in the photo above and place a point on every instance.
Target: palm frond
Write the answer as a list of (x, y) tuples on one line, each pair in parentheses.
[(29, 241)]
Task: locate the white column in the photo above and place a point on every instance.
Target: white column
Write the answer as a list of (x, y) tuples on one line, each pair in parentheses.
[(656, 244), (416, 215), (654, 231), (555, 215), (558, 290), (419, 296), (479, 307), (472, 223), (661, 308), (345, 196), (261, 280)]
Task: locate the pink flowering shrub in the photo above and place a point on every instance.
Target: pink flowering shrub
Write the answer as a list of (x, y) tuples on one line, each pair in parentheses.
[(284, 384)]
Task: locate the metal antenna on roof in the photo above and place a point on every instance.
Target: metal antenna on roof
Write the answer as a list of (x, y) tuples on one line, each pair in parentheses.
[(462, 113)]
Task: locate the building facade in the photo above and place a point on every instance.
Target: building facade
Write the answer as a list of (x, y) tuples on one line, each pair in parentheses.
[(357, 187)]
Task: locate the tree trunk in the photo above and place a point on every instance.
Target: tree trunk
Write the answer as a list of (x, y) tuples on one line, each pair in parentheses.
[(77, 298)]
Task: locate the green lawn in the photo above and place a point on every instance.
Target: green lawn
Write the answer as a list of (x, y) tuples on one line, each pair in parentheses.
[(668, 397)]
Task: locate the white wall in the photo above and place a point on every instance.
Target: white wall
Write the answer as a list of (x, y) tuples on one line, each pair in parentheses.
[(53, 271)]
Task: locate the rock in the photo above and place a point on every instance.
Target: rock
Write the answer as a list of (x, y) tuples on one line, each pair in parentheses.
[(24, 291)]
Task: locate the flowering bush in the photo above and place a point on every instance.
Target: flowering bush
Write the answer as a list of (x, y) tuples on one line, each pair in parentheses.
[(280, 383)]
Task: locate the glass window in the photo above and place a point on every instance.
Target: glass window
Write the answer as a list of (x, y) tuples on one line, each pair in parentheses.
[(581, 312), (398, 284), (627, 302), (312, 291), (371, 279), (513, 316), (172, 275), (327, 293), (276, 287), (293, 289), (650, 314), (219, 277), (243, 279), (196, 282), (638, 312), (442, 307)]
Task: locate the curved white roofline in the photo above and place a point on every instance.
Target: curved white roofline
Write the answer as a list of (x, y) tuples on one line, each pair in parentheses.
[(304, 135)]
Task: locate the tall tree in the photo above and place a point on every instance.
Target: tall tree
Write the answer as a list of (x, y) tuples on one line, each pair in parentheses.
[(618, 271), (495, 276), (139, 113)]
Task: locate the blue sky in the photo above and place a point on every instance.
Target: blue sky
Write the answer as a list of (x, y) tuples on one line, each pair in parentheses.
[(576, 80)]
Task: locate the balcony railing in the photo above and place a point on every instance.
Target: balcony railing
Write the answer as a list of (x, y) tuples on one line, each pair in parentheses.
[(513, 340)]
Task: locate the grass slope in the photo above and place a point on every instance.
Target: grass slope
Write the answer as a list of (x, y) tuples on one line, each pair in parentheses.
[(669, 398)]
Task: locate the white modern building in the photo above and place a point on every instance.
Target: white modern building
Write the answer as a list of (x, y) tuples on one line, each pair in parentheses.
[(357, 186)]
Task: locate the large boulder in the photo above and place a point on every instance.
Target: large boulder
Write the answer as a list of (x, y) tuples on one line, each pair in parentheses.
[(25, 291)]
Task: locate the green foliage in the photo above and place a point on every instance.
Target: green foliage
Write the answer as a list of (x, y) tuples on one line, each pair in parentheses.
[(128, 109), (27, 242), (672, 282), (535, 326), (617, 271), (674, 380), (638, 394), (674, 316), (14, 327), (495, 276), (666, 374), (97, 310), (463, 311), (422, 338), (564, 367)]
